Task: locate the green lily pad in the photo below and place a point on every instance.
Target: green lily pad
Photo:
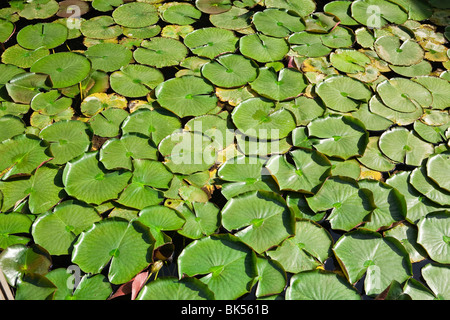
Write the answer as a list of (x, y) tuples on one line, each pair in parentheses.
[(342, 93), (428, 188), (433, 275), (156, 124), (350, 203), (108, 122), (68, 139), (179, 13), (230, 70), (64, 68), (308, 44), (186, 96), (438, 88), (381, 259), (11, 126), (261, 218), (401, 145), (338, 37), (286, 84), (160, 52), (257, 117), (234, 19), (438, 169), (271, 278), (342, 10), (213, 6), (377, 13), (407, 235), (349, 60), (433, 233), (263, 48), (125, 245), (19, 260), (307, 250), (300, 7), (21, 155), (422, 68), (101, 27), (11, 226), (299, 206), (24, 86), (309, 172), (202, 219), (50, 103), (340, 136), (374, 159), (85, 179), (6, 30), (135, 80), (38, 9), (392, 50), (42, 35), (108, 56), (320, 285), (57, 230), (277, 22), (135, 15), (188, 288), (377, 107), (211, 42), (226, 265), (188, 152)]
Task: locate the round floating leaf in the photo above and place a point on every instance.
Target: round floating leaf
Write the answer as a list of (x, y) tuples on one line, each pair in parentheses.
[(287, 83), (38, 9), (338, 37), (234, 19), (342, 93), (101, 27), (97, 102), (257, 117), (211, 42), (179, 13), (156, 124), (340, 9), (125, 245), (372, 121), (11, 225), (42, 35), (390, 204), (422, 68), (403, 146), (11, 126), (24, 86), (6, 30), (374, 159), (135, 15), (377, 106), (307, 250), (21, 155), (320, 285), (433, 275), (433, 235), (160, 52), (86, 179), (172, 289), (349, 60), (230, 70), (427, 187), (263, 48), (262, 218), (402, 94), (340, 136), (213, 6), (300, 7), (186, 96), (188, 152), (350, 203), (50, 103), (438, 169), (310, 169), (407, 235), (202, 219), (135, 80), (106, 5), (108, 122), (57, 230), (439, 89), (277, 23), (381, 259), (108, 56), (271, 277), (64, 68), (227, 265), (308, 44), (68, 139), (304, 109), (19, 260), (377, 13), (391, 49)]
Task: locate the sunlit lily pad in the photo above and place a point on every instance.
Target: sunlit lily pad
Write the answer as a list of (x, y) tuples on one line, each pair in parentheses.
[(263, 48), (135, 80), (211, 42), (433, 235), (277, 23), (428, 188), (377, 13), (300, 7), (108, 56), (179, 13), (188, 288), (42, 35), (101, 27), (11, 226), (391, 49), (136, 15), (160, 52), (438, 169)]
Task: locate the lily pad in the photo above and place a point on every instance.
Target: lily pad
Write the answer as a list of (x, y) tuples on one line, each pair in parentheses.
[(86, 179), (124, 245), (42, 35), (263, 48), (226, 265), (186, 96), (160, 52), (230, 70), (179, 13), (428, 188), (342, 93), (188, 288), (12, 126), (438, 169), (57, 230), (135, 15), (374, 159), (438, 87), (277, 22), (261, 218), (433, 233), (108, 56), (101, 27), (300, 7), (135, 80), (286, 84), (377, 13), (391, 49), (211, 42), (64, 68), (202, 219), (362, 253), (11, 226), (320, 285)]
